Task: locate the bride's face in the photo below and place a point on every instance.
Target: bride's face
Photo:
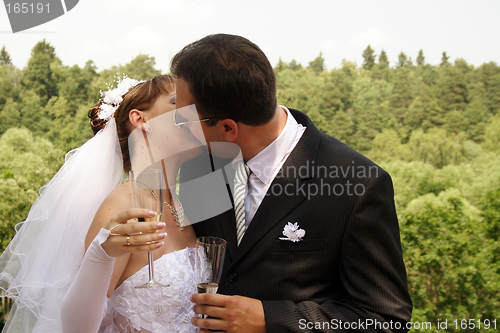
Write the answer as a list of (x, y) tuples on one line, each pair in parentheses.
[(170, 139), (163, 104)]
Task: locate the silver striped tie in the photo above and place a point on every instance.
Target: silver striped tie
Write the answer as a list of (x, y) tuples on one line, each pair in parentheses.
[(239, 194)]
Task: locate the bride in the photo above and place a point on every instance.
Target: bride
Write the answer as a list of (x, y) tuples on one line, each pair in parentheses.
[(85, 212)]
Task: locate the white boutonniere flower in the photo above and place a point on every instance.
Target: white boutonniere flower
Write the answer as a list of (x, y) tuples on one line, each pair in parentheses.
[(292, 232)]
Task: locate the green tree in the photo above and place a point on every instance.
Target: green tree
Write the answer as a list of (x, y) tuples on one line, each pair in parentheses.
[(370, 110), (75, 85), (493, 94), (72, 131), (490, 205), (451, 272), (411, 178), (318, 64), (381, 70), (342, 127), (463, 66), (437, 147), (281, 65), (329, 100), (93, 89), (410, 63), (287, 87), (452, 89), (141, 68), (32, 113), (350, 68), (492, 134), (444, 60), (343, 79), (424, 112), (382, 59), (428, 74), (299, 89), (26, 164), (294, 65), (420, 58), (476, 115), (10, 116), (5, 57), (489, 75), (369, 58), (403, 93), (402, 60), (402, 88), (318, 119), (38, 75), (9, 77), (386, 147)]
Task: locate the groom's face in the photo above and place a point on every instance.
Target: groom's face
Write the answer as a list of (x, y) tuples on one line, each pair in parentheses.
[(185, 98)]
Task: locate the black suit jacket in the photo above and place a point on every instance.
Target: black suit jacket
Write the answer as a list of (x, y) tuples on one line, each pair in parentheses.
[(347, 270)]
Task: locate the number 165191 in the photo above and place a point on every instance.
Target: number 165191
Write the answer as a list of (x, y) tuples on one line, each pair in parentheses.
[(475, 323), (25, 8)]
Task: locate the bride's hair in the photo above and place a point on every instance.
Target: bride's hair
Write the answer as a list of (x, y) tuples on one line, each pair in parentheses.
[(140, 97)]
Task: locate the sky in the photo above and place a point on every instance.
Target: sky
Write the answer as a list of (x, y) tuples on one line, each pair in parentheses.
[(113, 32)]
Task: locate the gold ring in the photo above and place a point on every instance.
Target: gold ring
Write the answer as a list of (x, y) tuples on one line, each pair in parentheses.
[(128, 240)]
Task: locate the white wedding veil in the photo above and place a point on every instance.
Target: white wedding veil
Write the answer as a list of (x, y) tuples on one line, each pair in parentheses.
[(42, 259)]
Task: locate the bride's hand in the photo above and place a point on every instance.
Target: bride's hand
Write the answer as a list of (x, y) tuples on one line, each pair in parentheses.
[(127, 235)]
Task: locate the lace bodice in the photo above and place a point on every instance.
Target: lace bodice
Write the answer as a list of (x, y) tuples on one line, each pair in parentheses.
[(154, 310)]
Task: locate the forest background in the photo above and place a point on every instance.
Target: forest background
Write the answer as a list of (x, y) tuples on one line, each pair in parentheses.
[(434, 128)]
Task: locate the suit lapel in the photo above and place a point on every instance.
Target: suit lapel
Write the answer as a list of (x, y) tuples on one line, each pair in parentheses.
[(275, 207), (227, 220), (227, 224)]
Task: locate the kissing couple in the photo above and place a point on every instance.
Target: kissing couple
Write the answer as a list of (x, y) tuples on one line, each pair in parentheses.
[(75, 262)]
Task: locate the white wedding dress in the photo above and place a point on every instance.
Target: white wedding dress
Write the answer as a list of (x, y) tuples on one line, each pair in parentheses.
[(155, 310), (45, 257)]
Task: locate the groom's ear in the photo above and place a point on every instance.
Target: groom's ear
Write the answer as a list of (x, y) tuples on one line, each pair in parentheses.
[(136, 118), (228, 129)]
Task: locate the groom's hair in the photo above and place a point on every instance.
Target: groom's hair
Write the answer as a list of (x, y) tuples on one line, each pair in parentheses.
[(229, 77)]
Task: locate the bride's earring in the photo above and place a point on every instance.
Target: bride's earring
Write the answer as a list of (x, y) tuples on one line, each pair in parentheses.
[(147, 128)]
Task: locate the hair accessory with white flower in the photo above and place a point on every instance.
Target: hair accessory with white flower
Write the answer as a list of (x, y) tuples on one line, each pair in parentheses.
[(113, 97)]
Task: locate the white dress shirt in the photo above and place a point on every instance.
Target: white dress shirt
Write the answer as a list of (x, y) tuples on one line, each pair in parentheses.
[(266, 164)]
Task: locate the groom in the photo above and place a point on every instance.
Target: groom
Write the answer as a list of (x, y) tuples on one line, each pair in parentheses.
[(318, 245)]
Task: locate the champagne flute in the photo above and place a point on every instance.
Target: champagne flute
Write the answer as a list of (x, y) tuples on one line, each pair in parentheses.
[(209, 259), (146, 188)]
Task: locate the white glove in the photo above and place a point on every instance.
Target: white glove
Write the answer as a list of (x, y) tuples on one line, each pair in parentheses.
[(84, 304)]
